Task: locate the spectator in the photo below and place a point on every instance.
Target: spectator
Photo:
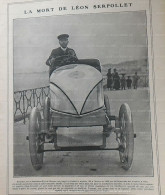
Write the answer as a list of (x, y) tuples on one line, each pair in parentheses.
[(116, 80), (135, 80), (109, 79), (129, 82), (123, 81)]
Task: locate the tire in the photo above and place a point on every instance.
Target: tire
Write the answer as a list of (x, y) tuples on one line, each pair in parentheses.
[(46, 113), (107, 105), (126, 136), (34, 140)]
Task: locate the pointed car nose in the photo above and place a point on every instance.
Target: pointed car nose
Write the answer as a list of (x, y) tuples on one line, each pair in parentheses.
[(76, 83)]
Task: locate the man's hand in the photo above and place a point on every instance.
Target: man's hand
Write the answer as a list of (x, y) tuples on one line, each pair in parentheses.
[(52, 60)]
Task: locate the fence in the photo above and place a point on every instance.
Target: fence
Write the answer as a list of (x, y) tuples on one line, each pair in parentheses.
[(25, 100)]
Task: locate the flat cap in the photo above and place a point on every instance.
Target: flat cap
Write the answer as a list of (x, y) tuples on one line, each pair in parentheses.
[(62, 36)]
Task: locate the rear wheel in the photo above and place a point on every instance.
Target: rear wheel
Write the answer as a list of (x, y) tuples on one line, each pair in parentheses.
[(35, 146), (126, 136), (107, 107), (46, 113)]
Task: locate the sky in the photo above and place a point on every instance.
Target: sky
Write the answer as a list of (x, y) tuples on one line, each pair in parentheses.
[(109, 37)]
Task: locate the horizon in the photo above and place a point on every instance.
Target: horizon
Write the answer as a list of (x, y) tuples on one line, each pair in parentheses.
[(109, 37), (110, 64)]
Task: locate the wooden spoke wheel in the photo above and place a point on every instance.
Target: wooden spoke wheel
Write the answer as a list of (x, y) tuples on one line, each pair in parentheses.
[(126, 136), (107, 105), (35, 143), (108, 113), (46, 113)]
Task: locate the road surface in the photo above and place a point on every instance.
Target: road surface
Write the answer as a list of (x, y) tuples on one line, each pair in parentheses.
[(92, 162)]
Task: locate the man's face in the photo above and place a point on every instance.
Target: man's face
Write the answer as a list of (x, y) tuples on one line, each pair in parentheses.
[(63, 42)]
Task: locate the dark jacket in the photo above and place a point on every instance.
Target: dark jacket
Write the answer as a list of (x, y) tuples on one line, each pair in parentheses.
[(59, 52)]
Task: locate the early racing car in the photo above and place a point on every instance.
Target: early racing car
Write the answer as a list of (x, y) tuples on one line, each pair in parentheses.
[(77, 99)]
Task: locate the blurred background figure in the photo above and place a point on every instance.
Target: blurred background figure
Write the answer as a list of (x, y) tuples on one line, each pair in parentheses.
[(116, 80), (123, 82), (135, 80), (109, 79), (129, 82)]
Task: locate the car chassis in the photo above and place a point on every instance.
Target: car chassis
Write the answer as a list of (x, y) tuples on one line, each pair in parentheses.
[(43, 129)]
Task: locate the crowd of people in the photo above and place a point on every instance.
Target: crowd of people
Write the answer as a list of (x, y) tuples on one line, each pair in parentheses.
[(115, 82)]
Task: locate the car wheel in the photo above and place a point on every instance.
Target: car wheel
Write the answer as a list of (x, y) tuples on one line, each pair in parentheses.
[(126, 145), (35, 145)]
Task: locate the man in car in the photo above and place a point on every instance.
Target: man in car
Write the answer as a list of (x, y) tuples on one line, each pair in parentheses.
[(62, 54)]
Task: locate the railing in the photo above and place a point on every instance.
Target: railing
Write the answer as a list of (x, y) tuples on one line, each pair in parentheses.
[(25, 100)]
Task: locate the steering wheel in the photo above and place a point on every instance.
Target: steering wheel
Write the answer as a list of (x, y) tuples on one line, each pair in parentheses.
[(64, 60)]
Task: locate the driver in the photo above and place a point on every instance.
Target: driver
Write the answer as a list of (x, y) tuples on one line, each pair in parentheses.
[(60, 52)]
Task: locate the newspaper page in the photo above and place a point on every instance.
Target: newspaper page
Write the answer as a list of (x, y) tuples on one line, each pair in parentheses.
[(82, 100)]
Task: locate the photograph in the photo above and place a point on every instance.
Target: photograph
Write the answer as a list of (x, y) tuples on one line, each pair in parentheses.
[(81, 102)]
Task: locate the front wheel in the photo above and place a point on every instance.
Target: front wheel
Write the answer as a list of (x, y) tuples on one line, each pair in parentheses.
[(126, 136), (107, 105), (35, 145)]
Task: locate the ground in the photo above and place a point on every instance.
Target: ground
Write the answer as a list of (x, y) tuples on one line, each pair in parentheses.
[(92, 162)]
